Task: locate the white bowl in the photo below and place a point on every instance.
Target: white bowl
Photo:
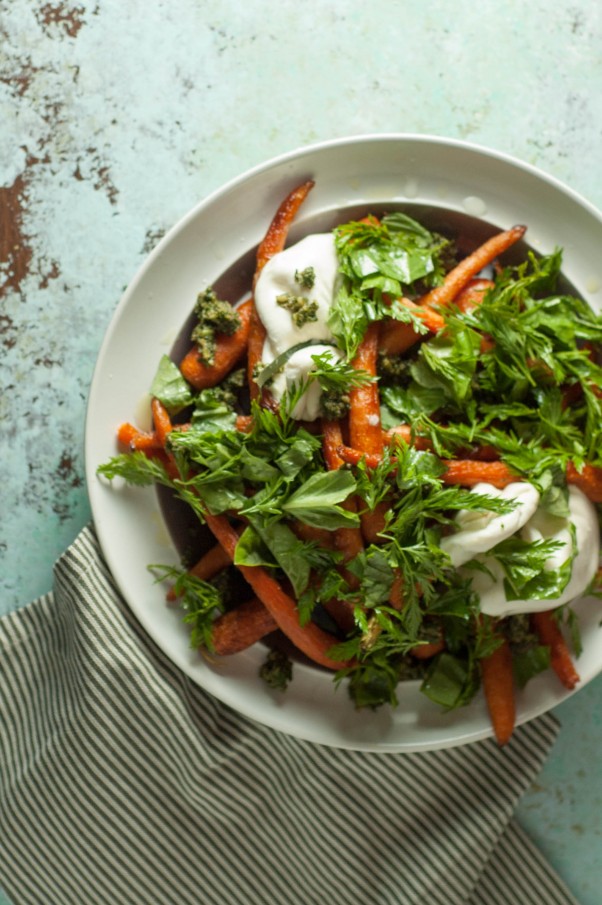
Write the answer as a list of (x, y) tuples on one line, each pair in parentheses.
[(354, 173)]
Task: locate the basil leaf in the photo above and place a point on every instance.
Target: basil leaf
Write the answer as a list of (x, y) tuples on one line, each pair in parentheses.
[(170, 387), (315, 502)]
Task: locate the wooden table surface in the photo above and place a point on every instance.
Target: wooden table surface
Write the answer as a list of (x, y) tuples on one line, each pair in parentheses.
[(117, 116)]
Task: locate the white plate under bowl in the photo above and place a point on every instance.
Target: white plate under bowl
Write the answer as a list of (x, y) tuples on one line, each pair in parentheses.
[(359, 171)]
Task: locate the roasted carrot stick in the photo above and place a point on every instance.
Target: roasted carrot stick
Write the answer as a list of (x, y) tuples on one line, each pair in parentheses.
[(428, 650), (588, 480), (458, 278), (272, 243), (498, 686), (161, 421), (471, 297), (207, 567), (143, 441), (241, 627), (309, 639), (469, 472), (348, 541), (275, 238), (365, 429), (550, 635), (397, 337), (229, 350)]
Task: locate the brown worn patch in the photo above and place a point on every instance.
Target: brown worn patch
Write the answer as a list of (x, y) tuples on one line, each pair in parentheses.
[(8, 332), (70, 18), (151, 238), (15, 251), (93, 168)]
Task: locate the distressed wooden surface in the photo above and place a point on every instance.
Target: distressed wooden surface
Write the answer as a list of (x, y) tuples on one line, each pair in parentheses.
[(117, 117)]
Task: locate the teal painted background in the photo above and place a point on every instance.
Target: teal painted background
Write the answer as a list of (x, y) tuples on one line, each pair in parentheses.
[(117, 116)]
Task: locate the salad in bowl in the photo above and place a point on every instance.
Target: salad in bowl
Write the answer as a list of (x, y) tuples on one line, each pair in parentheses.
[(391, 442)]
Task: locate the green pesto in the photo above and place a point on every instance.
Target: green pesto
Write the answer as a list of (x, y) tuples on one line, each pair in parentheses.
[(302, 310)]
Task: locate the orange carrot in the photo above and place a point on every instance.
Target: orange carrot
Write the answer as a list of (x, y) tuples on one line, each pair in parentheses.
[(275, 238), (498, 686), (352, 456), (143, 441), (272, 243), (241, 627), (428, 650), (374, 523), (398, 336), (228, 352), (244, 423), (404, 432), (207, 567), (458, 279), (309, 639), (469, 472), (396, 594), (549, 634), (588, 479), (161, 421), (348, 541), (471, 297), (365, 429)]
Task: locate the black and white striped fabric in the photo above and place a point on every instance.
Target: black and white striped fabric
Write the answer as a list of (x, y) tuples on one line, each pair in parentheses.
[(123, 783)]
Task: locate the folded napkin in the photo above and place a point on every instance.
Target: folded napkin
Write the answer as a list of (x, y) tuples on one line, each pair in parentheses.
[(123, 782)]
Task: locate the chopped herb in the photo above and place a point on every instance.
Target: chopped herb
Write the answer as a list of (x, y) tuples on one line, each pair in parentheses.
[(214, 316), (303, 311), (277, 670), (306, 278)]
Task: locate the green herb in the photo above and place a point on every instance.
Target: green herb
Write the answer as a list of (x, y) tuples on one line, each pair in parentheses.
[(306, 278), (302, 310), (277, 670), (199, 599), (213, 316)]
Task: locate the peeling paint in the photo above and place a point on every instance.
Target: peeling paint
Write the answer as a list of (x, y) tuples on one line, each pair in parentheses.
[(15, 250), (61, 17)]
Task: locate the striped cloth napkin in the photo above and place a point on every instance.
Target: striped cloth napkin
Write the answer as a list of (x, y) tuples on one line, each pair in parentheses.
[(123, 783)]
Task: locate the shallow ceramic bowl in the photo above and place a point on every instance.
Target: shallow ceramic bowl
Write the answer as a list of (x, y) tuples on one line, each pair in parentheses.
[(442, 180)]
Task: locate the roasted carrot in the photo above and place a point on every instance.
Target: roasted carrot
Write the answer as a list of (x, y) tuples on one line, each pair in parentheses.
[(228, 352), (315, 535), (588, 479), (275, 238), (365, 429), (404, 432), (352, 456), (498, 686), (469, 472), (348, 541), (244, 423), (208, 566), (548, 631), (272, 243), (428, 650), (143, 441), (397, 336), (161, 421), (241, 627), (309, 639), (471, 297)]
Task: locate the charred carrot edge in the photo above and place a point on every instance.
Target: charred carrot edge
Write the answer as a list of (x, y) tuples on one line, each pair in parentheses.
[(365, 429), (498, 686), (241, 627), (275, 238), (548, 631), (588, 480), (143, 441), (472, 296), (228, 352), (309, 639), (458, 278)]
